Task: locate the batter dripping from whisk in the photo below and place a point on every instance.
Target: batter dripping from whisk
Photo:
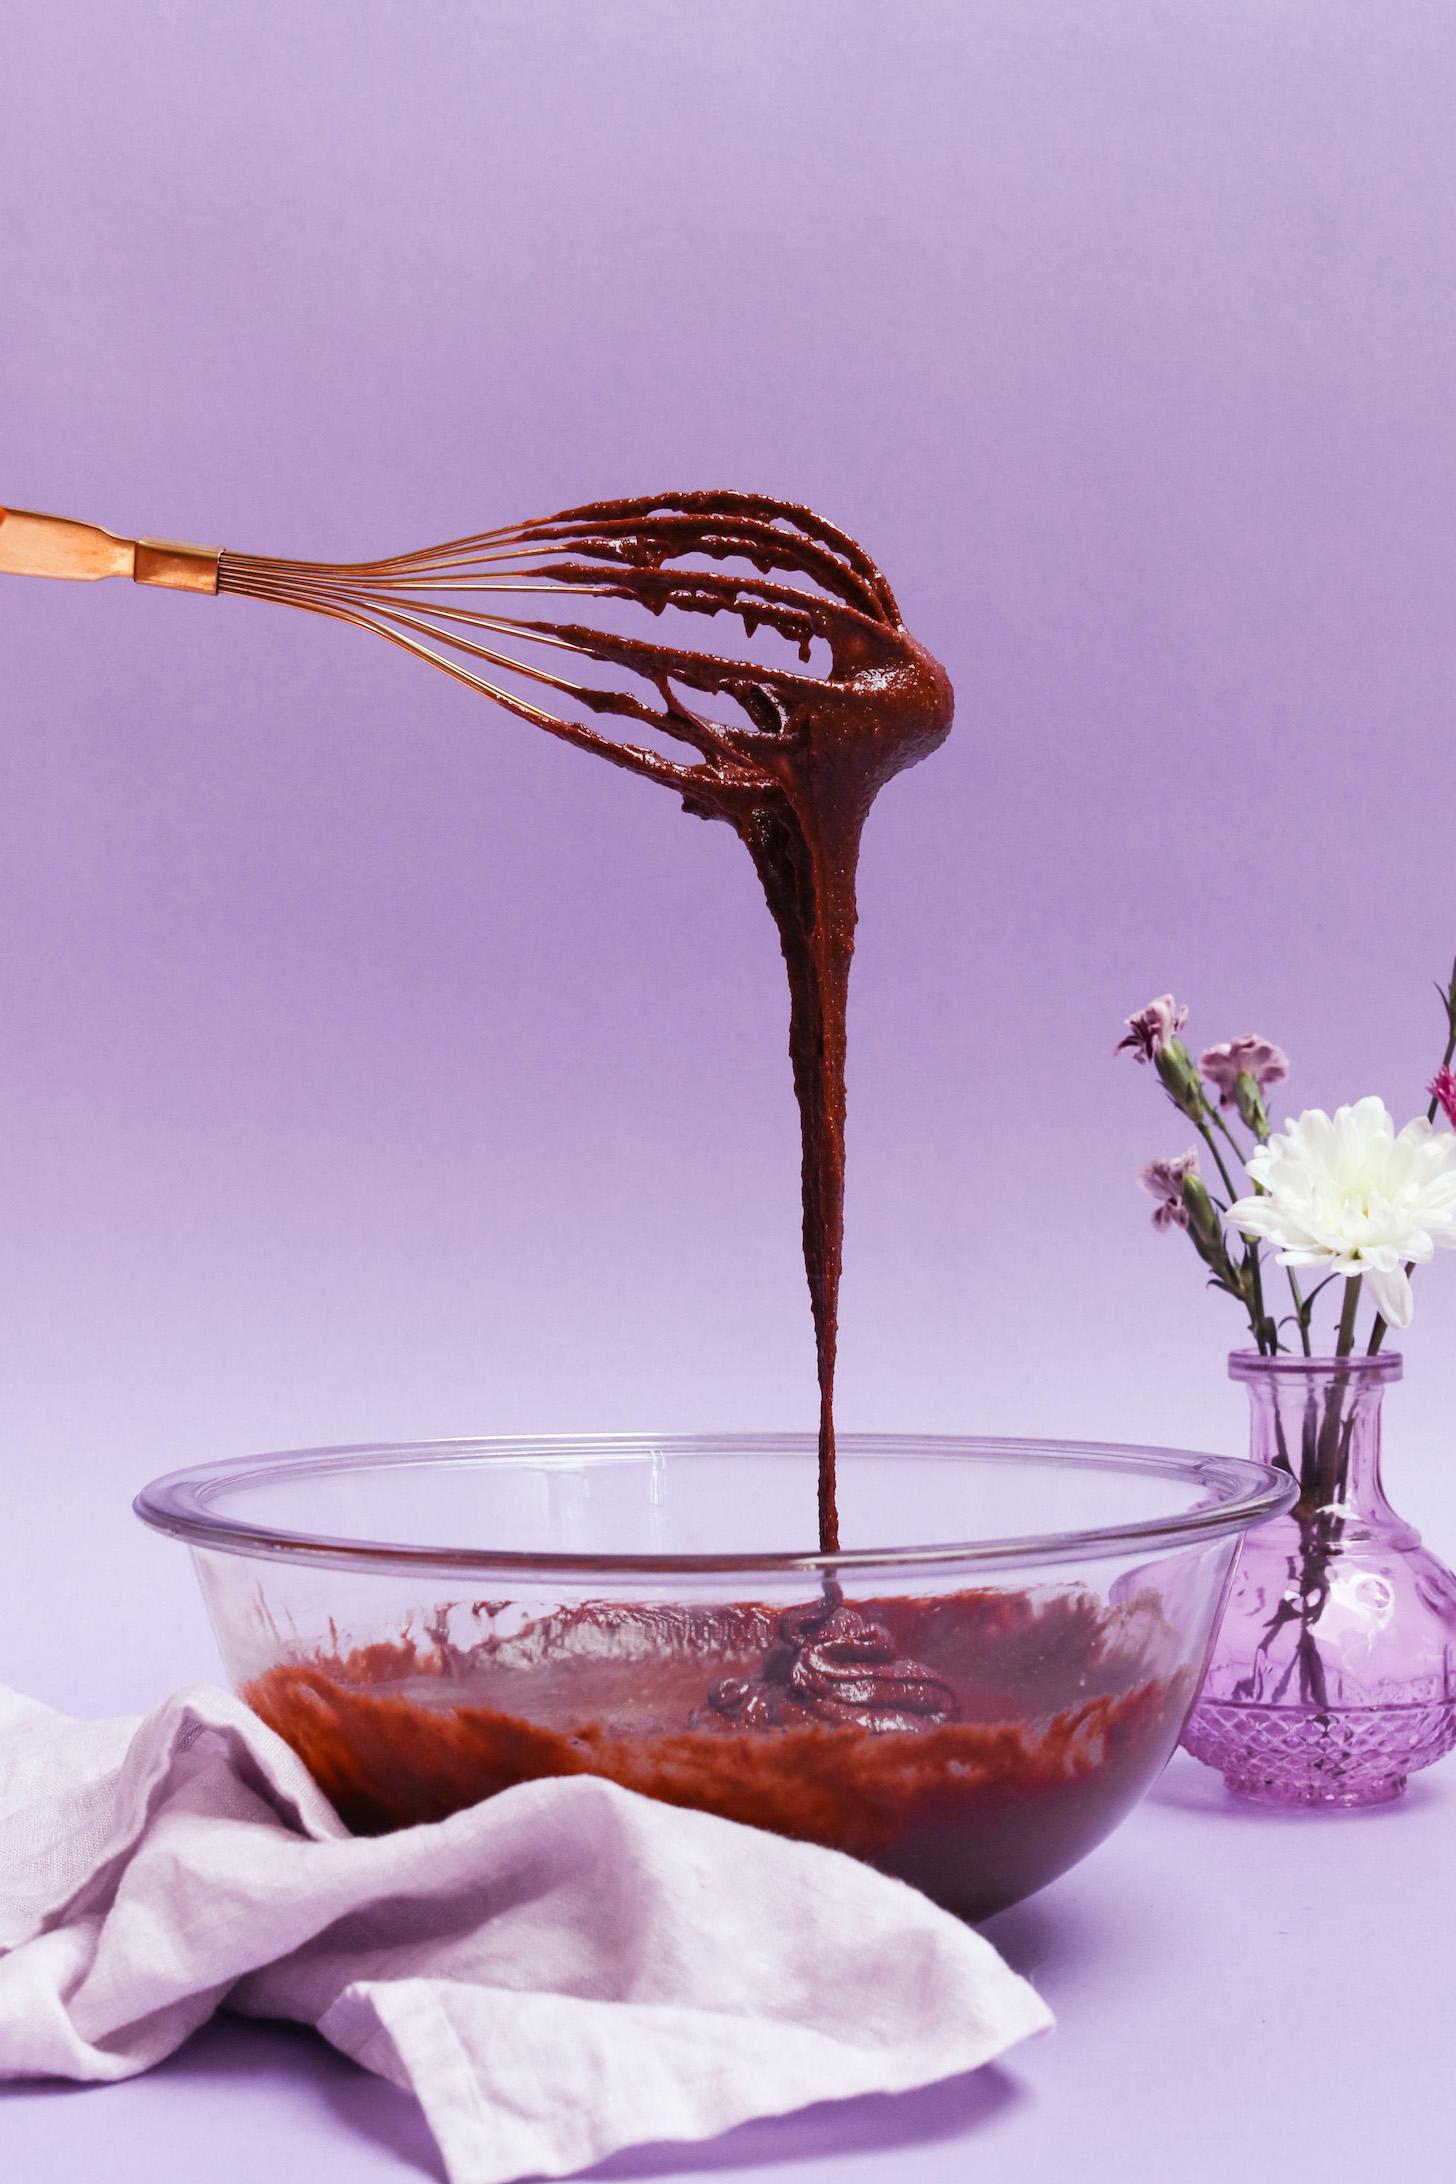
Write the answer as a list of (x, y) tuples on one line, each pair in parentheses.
[(794, 775)]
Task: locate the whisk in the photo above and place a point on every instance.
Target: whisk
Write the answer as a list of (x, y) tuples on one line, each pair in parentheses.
[(793, 770), (629, 552)]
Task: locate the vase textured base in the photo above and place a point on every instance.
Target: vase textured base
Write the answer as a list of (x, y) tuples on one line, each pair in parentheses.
[(1333, 1674), (1290, 1755)]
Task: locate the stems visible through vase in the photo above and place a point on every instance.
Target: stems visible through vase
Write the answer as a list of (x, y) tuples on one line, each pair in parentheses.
[(1328, 1416)]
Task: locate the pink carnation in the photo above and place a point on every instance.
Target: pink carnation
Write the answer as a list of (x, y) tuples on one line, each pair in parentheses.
[(1442, 1089), (1247, 1057), (1150, 1030), (1164, 1180)]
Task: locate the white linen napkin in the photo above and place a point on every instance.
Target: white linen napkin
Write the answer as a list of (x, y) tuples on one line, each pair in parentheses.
[(563, 1970)]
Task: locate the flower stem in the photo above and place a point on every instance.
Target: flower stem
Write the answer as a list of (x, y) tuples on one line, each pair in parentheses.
[(1377, 1332), (1252, 1259), (1301, 1316), (1266, 1330), (1240, 1155), (1200, 1124), (1345, 1340), (1266, 1339)]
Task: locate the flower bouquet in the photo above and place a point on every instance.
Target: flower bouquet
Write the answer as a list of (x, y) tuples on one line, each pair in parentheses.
[(1334, 1670)]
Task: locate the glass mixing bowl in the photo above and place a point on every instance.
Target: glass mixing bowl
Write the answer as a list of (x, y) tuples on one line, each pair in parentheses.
[(970, 1703)]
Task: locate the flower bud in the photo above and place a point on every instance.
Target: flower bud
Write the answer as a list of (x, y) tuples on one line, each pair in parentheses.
[(1226, 1067), (1204, 1224), (1164, 1180), (1249, 1101), (1442, 1089), (1179, 1078), (1206, 1230), (1148, 1028)]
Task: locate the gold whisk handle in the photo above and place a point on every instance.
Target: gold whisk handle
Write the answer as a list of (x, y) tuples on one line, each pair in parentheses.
[(37, 545)]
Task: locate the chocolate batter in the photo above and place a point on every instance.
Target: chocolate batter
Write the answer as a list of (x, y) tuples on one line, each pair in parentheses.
[(977, 1777)]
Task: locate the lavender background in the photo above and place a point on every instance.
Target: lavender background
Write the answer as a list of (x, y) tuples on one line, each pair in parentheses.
[(374, 1067)]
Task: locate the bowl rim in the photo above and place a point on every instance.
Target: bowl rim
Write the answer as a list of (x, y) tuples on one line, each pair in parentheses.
[(179, 1504)]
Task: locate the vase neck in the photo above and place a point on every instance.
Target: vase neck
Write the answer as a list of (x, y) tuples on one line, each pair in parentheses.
[(1319, 1420)]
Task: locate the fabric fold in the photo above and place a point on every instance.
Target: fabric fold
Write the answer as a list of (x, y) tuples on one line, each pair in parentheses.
[(559, 1972)]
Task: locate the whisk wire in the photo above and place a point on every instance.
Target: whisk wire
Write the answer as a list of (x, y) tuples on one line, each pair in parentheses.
[(631, 554)]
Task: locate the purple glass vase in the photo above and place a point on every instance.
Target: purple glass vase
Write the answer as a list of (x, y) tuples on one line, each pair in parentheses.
[(1333, 1674)]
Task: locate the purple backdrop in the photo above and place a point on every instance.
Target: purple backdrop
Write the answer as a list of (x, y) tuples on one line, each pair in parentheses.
[(373, 1066)]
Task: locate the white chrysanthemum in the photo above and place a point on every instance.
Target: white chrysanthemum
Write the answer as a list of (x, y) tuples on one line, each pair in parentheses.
[(1347, 1195)]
